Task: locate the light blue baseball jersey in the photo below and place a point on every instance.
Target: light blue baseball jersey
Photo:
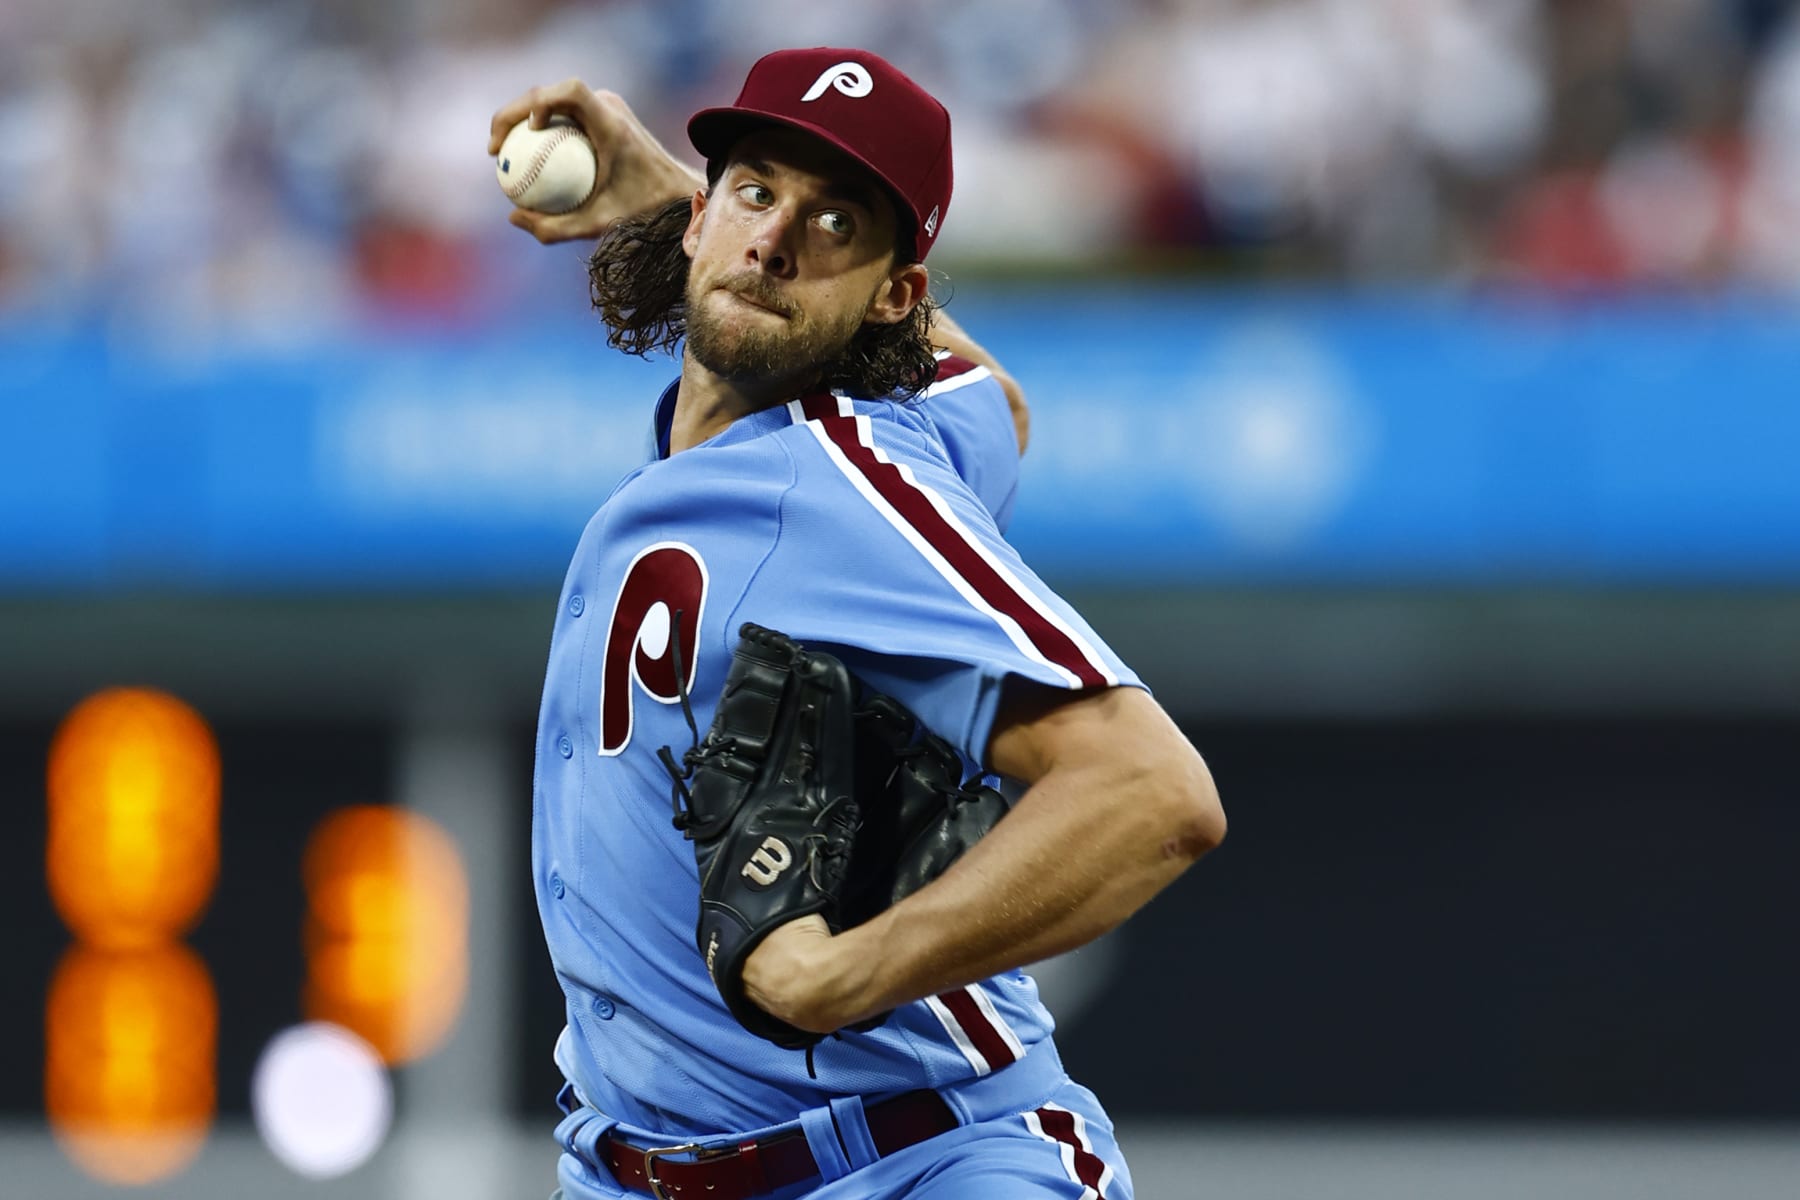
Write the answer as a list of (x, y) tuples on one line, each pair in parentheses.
[(868, 528)]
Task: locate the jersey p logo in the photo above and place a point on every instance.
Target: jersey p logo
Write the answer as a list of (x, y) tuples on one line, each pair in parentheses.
[(770, 860), (850, 78), (655, 620)]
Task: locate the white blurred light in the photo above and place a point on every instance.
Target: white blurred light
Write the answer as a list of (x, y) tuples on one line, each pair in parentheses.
[(1287, 436), (1479, 95), (321, 1099)]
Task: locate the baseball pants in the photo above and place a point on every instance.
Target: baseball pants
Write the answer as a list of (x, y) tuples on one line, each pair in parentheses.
[(1028, 1132)]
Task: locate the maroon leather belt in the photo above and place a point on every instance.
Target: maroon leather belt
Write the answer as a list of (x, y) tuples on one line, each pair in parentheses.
[(755, 1168)]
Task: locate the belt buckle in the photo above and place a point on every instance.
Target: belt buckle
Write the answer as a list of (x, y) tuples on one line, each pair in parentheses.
[(650, 1157)]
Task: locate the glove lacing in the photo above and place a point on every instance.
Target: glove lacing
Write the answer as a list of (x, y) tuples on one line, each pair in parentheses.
[(680, 799)]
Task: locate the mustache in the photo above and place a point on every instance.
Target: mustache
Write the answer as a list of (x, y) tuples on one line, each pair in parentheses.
[(758, 291)]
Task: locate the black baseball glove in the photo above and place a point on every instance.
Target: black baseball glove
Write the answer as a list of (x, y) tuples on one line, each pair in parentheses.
[(810, 794), (918, 815)]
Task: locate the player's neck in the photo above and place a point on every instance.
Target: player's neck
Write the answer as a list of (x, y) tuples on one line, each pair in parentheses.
[(707, 404)]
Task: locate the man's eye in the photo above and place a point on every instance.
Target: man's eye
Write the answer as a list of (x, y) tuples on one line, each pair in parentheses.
[(835, 223), (756, 193)]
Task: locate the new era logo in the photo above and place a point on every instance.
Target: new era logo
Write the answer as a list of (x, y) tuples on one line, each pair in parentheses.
[(931, 222)]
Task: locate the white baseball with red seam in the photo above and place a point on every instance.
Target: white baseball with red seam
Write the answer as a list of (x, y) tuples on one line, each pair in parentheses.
[(549, 170)]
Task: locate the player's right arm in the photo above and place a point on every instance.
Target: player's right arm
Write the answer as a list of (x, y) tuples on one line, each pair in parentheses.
[(636, 173)]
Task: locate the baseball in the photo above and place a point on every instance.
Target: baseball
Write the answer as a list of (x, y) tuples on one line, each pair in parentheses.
[(549, 170)]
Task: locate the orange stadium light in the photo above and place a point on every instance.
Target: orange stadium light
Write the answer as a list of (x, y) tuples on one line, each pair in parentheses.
[(387, 929), (133, 851), (130, 1062)]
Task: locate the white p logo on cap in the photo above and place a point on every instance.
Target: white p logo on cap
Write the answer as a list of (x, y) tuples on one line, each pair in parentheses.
[(850, 78)]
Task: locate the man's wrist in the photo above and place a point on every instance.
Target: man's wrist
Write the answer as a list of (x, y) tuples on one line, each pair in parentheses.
[(670, 180), (863, 979)]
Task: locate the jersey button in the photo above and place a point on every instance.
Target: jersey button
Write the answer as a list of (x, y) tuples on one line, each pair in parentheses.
[(576, 604), (564, 746), (603, 1008), (556, 886)]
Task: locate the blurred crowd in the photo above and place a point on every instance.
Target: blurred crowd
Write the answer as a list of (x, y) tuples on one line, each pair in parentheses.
[(295, 162)]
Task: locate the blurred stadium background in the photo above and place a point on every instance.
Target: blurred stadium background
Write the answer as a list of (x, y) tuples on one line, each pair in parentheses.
[(1417, 395)]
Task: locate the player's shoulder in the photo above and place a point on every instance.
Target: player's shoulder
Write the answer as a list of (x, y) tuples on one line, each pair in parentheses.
[(965, 406), (840, 426), (859, 459), (954, 372)]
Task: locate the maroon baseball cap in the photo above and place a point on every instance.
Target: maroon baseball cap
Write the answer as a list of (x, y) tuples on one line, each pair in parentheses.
[(860, 103)]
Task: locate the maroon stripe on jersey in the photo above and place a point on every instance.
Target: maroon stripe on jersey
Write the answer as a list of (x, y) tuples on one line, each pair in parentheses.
[(951, 365), (1060, 1124), (916, 510), (982, 1034)]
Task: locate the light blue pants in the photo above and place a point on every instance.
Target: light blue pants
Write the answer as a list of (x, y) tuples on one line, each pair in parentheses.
[(1027, 1132)]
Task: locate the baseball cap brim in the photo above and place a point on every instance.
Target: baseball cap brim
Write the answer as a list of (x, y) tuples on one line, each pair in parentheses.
[(714, 131)]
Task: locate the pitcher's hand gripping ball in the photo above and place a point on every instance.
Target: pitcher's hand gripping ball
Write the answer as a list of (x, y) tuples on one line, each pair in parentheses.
[(804, 798), (549, 170)]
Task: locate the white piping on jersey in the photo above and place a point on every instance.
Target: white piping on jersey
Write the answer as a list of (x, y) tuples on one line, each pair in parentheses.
[(974, 375), (954, 1028), (1013, 630), (1012, 581), (1068, 1152), (986, 1004), (976, 1059)]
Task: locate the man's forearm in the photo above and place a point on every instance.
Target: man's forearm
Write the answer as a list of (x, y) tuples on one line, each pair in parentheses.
[(1120, 806), (1049, 878)]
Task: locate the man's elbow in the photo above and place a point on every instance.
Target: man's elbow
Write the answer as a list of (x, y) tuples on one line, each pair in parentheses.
[(1194, 818)]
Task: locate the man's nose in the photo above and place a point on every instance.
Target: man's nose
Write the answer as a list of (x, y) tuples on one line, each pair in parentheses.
[(772, 244)]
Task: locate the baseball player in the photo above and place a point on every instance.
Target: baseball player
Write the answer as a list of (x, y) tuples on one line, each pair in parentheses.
[(836, 462)]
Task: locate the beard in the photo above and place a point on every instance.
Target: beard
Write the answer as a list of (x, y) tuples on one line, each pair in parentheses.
[(761, 352)]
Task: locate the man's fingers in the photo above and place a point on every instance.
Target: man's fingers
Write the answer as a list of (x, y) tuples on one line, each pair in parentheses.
[(505, 119), (527, 220), (799, 932), (570, 97), (634, 172)]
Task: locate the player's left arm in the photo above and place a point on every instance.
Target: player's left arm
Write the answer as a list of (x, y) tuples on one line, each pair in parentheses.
[(1119, 805)]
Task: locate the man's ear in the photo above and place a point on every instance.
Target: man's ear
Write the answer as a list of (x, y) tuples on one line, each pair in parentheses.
[(896, 298), (690, 240)]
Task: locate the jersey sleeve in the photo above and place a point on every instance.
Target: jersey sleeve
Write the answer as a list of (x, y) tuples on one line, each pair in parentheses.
[(887, 556), (967, 408)]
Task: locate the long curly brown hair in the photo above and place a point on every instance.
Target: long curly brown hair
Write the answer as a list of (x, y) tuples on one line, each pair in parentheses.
[(637, 279)]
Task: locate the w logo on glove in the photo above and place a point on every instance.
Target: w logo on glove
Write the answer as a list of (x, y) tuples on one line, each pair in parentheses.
[(770, 860), (832, 805)]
